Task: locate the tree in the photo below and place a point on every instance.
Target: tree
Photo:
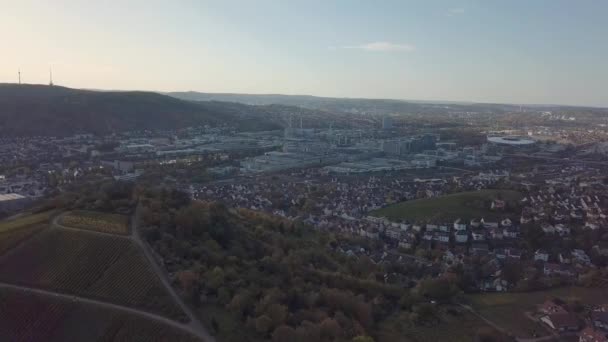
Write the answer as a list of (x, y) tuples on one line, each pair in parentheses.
[(438, 289), (330, 328), (284, 333), (308, 331), (363, 339), (425, 313), (186, 279), (215, 278), (278, 314), (512, 272), (263, 324)]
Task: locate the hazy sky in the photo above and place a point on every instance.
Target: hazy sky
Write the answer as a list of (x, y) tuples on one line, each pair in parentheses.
[(527, 51)]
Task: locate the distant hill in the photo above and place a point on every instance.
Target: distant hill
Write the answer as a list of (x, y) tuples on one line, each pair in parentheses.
[(344, 105), (369, 106), (42, 110)]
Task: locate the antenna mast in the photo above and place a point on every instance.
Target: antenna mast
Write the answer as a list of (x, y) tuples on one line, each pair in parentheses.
[(19, 73), (50, 77)]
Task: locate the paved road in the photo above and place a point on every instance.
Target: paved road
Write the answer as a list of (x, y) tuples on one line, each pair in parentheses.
[(125, 309), (562, 160), (194, 324)]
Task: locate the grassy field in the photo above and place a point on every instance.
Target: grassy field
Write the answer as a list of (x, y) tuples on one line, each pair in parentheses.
[(96, 221), (35, 317), (462, 326), (507, 309), (464, 205), (24, 221)]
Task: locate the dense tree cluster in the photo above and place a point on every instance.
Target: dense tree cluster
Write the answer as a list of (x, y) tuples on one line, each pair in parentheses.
[(279, 279)]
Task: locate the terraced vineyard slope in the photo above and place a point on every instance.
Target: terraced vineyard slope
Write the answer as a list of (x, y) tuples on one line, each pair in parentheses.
[(105, 267), (96, 221), (36, 317)]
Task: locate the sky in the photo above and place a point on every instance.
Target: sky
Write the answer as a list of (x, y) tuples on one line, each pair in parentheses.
[(515, 51)]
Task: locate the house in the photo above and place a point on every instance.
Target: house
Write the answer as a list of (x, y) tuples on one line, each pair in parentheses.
[(580, 256), (562, 230), (405, 243), (479, 248), (489, 224), (498, 205), (475, 223), (556, 269), (496, 234), (592, 335), (550, 307), (427, 236), (461, 236), (547, 228), (600, 319), (541, 255), (494, 285), (444, 228), (500, 253), (442, 236), (405, 226), (458, 225), (393, 233), (513, 253), (431, 227), (478, 235), (562, 322), (564, 258), (510, 232), (506, 222)]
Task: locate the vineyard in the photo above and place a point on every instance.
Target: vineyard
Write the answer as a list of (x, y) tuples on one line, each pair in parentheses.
[(109, 268), (34, 317), (96, 221), (29, 220), (13, 237)]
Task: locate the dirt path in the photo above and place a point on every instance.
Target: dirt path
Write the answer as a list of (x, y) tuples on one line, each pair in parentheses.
[(125, 309), (195, 324)]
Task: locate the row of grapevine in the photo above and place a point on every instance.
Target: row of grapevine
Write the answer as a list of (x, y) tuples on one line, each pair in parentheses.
[(12, 238), (25, 221), (35, 317), (109, 268), (96, 221)]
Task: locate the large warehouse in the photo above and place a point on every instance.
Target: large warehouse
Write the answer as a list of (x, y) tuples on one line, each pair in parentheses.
[(9, 202), (511, 140)]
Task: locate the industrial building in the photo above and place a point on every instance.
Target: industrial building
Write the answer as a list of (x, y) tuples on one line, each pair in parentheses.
[(12, 202)]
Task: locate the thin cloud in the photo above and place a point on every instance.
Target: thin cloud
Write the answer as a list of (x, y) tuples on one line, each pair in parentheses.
[(381, 47), (455, 11)]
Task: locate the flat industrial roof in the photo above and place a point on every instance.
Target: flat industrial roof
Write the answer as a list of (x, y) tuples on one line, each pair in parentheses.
[(511, 140), (10, 197)]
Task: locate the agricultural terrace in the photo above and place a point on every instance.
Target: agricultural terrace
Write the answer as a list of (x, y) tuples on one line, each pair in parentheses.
[(508, 309), (104, 267), (12, 232), (96, 221), (464, 205), (37, 317), (25, 221)]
